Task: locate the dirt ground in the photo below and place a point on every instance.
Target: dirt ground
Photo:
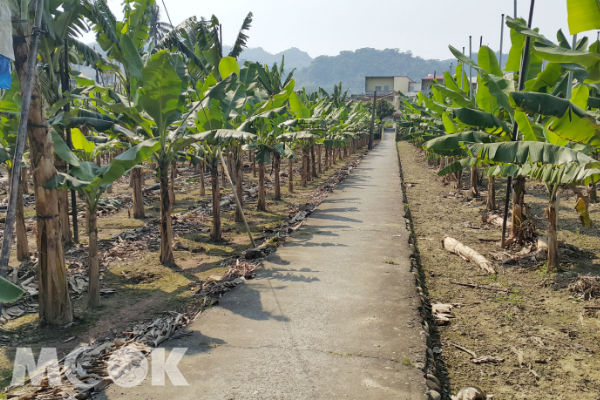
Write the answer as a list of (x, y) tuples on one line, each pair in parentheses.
[(137, 287), (547, 335)]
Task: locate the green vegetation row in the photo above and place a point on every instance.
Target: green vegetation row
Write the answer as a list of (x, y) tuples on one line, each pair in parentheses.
[(167, 94), (549, 131)]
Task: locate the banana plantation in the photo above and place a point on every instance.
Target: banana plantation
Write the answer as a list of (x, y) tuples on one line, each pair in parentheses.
[(160, 194), (228, 147), (514, 150)]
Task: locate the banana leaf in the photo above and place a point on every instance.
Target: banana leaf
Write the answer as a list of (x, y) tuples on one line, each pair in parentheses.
[(9, 292)]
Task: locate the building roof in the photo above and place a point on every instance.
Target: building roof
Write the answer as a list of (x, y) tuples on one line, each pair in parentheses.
[(431, 77), (395, 76)]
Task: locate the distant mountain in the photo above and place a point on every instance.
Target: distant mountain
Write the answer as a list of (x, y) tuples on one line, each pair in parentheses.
[(351, 67), (294, 57), (348, 67)]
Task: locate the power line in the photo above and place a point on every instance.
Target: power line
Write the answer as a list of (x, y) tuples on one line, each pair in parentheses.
[(167, 12)]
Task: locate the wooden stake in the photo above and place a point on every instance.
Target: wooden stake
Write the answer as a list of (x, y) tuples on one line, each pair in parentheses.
[(235, 196)]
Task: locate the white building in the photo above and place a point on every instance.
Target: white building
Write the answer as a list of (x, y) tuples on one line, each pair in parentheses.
[(390, 85)]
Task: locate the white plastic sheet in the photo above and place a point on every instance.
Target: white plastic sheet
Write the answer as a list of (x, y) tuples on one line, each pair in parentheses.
[(6, 43)]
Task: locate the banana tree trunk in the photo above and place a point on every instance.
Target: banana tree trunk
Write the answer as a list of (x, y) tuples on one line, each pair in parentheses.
[(215, 233), (238, 172), (319, 159), (593, 193), (313, 162), (491, 196), (262, 193), (474, 182), (93, 263), (22, 245), (202, 182), (173, 172), (291, 175), (276, 168), (166, 229), (25, 180), (55, 305), (137, 183), (63, 211), (253, 156), (458, 176), (518, 211), (326, 158), (63, 203), (21, 232), (305, 167), (553, 255)]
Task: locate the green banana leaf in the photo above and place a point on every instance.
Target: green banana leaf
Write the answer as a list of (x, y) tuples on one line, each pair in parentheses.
[(526, 152), (89, 177), (300, 135), (546, 104), (161, 96), (584, 15), (228, 135), (459, 165), (449, 145), (480, 119), (9, 292), (588, 59), (566, 174)]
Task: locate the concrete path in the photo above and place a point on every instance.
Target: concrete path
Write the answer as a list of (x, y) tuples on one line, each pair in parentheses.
[(333, 315)]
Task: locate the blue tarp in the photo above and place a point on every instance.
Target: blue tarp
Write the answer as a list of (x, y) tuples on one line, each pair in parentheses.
[(5, 78)]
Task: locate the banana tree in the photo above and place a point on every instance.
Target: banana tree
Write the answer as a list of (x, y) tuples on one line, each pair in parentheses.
[(126, 42), (9, 119), (213, 143), (64, 22), (304, 140), (222, 100), (551, 164), (91, 181), (55, 304), (162, 98), (264, 146)]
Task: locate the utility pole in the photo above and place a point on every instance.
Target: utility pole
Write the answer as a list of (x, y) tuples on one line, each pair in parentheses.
[(470, 68), (501, 38), (370, 147), (570, 76), (66, 87)]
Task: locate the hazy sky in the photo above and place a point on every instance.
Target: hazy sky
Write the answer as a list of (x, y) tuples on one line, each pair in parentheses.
[(326, 27)]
